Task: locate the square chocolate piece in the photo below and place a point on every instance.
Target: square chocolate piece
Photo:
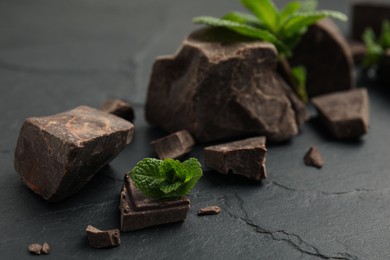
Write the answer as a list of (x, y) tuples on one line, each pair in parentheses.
[(57, 155), (245, 157), (139, 211), (344, 113)]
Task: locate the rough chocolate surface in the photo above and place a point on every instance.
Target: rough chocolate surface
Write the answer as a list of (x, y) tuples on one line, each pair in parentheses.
[(210, 210), (325, 53), (173, 145), (221, 85), (57, 155), (369, 13), (35, 248), (119, 107), (245, 157), (138, 211), (314, 158), (103, 238), (345, 114)]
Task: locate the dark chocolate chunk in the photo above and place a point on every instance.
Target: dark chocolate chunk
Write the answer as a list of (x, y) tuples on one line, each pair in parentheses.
[(46, 248), (103, 238), (368, 14), (358, 50), (245, 157), (345, 114), (139, 211), (173, 145), (35, 248), (313, 157), (325, 53), (383, 72), (222, 85), (120, 108), (210, 210), (57, 155)]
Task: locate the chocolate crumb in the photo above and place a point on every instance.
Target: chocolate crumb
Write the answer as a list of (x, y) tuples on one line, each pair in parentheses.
[(46, 248), (313, 158), (35, 248), (210, 210)]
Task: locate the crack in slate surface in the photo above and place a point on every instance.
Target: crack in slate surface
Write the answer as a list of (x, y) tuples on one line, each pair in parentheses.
[(293, 240)]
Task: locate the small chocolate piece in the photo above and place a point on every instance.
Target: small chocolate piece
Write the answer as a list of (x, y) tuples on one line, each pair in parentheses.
[(57, 155), (313, 158), (358, 50), (174, 145), (139, 211), (103, 238), (345, 114), (368, 14), (35, 248), (245, 157), (222, 85), (210, 210), (327, 58), (120, 108), (46, 248)]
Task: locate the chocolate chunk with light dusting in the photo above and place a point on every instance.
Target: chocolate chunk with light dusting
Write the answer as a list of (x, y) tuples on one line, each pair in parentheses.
[(210, 210), (345, 114), (46, 248), (174, 145), (138, 211), (103, 238), (222, 85), (35, 248), (368, 14), (325, 53), (245, 157), (120, 108), (358, 50), (313, 157), (57, 155)]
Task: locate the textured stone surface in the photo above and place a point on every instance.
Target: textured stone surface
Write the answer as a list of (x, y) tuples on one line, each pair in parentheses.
[(102, 52), (103, 238), (345, 114), (243, 157), (57, 155), (327, 57), (220, 85)]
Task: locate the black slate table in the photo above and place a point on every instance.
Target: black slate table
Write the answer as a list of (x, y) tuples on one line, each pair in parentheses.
[(55, 55)]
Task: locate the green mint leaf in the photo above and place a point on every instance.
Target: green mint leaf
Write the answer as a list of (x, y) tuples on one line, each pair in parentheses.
[(308, 5), (243, 29), (265, 11), (243, 18), (385, 35), (374, 49), (300, 75), (291, 8), (167, 178), (147, 178)]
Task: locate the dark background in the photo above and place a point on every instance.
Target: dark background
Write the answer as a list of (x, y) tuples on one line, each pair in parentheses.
[(55, 55)]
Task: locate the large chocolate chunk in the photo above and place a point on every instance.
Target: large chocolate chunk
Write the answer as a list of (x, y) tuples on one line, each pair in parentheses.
[(344, 113), (325, 53), (245, 157), (222, 85), (57, 155), (174, 145), (368, 14), (139, 211), (103, 238), (120, 108)]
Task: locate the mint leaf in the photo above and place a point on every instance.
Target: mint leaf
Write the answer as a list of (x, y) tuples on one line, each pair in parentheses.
[(308, 5), (265, 11), (374, 49), (168, 178), (288, 10), (243, 18), (300, 75)]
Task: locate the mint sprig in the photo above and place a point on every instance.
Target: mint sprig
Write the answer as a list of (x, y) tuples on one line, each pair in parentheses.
[(284, 28), (375, 46), (166, 178)]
